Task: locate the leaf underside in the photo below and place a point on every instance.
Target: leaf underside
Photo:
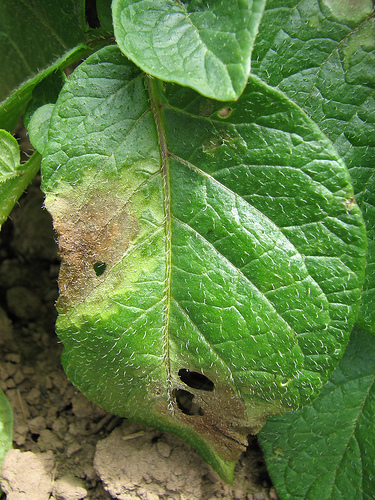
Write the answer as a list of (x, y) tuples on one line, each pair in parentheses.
[(212, 253)]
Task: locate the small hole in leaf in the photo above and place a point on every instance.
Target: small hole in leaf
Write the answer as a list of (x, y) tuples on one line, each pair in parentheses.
[(284, 382), (196, 380), (99, 268), (225, 112), (184, 400)]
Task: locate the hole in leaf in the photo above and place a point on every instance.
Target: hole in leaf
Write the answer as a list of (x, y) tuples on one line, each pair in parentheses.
[(99, 268), (184, 400), (196, 380), (225, 112)]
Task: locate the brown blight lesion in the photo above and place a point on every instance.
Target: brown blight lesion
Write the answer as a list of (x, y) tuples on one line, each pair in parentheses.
[(99, 230)]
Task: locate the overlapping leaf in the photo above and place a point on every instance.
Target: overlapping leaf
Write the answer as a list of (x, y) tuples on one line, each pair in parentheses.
[(322, 55), (14, 177), (203, 45), (38, 37), (6, 426), (212, 253), (326, 449)]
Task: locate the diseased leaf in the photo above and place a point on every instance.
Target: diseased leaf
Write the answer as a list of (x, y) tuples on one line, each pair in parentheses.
[(212, 256), (6, 426), (322, 55), (203, 45), (326, 450), (14, 177)]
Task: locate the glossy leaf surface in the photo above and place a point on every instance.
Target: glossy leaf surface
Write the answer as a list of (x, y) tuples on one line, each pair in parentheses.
[(326, 450), (322, 55), (203, 45), (212, 253), (14, 177)]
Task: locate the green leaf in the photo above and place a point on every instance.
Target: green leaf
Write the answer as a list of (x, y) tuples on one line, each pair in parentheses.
[(6, 426), (38, 37), (39, 125), (211, 257), (104, 11), (14, 177), (45, 92), (39, 110), (322, 55), (203, 45), (327, 450), (33, 35)]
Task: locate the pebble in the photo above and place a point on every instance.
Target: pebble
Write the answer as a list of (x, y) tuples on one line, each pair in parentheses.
[(69, 488), (37, 424)]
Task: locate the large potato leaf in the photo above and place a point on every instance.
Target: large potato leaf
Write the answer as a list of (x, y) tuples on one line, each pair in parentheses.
[(322, 55), (326, 449), (212, 255), (203, 45)]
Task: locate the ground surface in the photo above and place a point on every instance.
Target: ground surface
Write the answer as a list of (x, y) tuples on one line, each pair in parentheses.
[(65, 447)]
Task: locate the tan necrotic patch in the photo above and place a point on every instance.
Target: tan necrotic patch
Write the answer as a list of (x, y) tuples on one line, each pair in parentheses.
[(98, 232)]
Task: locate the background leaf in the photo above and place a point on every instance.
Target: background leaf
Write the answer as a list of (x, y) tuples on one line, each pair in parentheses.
[(38, 37), (322, 55), (326, 450), (14, 177), (45, 92), (203, 45), (212, 256), (6, 426), (34, 34)]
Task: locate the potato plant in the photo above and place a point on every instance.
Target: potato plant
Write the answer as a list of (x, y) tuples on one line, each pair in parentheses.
[(209, 169)]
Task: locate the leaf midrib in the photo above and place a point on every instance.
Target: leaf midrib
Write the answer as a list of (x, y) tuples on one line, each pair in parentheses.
[(156, 109)]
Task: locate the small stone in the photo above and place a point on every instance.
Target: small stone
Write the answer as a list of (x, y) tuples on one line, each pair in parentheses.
[(19, 377), (83, 408), (13, 357), (69, 488), (33, 396), (273, 494), (36, 425), (10, 369), (163, 449), (10, 383), (73, 448), (60, 427), (49, 441), (259, 496)]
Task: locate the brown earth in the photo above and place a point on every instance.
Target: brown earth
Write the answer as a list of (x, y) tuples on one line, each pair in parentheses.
[(65, 447)]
